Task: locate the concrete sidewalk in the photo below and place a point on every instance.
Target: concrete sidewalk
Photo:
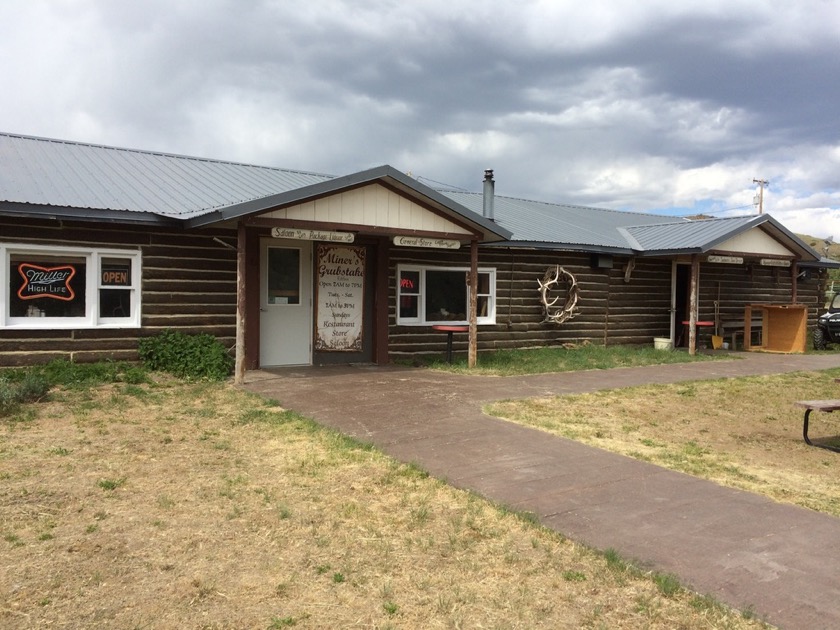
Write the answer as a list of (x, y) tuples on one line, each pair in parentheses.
[(743, 549)]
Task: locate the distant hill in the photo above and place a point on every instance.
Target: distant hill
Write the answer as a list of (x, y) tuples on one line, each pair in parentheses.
[(819, 245)]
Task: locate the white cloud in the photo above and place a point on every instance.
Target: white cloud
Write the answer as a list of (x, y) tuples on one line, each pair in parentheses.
[(639, 106)]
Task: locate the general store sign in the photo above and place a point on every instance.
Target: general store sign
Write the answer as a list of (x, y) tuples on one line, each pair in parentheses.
[(46, 282), (423, 241), (775, 262), (313, 235)]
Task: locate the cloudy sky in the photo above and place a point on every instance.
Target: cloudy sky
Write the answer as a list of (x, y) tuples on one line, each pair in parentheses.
[(654, 105)]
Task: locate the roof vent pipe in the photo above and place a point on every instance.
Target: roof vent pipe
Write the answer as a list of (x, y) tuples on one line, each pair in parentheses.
[(489, 194)]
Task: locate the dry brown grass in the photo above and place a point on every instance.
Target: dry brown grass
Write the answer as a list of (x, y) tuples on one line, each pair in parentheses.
[(199, 506), (743, 433)]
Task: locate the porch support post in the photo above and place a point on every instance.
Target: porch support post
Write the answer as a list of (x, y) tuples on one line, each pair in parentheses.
[(473, 281), (239, 364), (794, 279), (693, 302)]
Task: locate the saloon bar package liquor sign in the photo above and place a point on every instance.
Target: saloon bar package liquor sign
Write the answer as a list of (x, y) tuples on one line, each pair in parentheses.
[(340, 290)]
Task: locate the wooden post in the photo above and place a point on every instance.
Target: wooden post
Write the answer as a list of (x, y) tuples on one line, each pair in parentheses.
[(794, 279), (239, 364), (473, 281), (693, 292)]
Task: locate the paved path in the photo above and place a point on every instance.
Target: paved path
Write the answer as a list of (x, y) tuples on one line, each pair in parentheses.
[(743, 549)]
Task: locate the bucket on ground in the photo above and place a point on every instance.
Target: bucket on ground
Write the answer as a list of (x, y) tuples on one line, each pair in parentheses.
[(662, 343)]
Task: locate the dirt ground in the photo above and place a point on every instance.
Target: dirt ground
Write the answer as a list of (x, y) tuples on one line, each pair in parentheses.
[(198, 506)]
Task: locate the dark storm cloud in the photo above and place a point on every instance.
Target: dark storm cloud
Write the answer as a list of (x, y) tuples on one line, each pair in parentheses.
[(642, 106)]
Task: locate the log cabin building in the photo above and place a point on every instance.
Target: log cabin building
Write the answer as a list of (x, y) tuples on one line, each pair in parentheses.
[(101, 246)]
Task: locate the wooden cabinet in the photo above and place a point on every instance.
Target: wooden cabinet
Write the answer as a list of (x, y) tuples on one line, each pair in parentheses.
[(783, 327)]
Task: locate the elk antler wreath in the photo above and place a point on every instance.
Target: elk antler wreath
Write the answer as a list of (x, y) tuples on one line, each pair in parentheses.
[(553, 313)]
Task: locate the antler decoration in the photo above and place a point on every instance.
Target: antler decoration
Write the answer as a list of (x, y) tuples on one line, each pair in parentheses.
[(552, 277)]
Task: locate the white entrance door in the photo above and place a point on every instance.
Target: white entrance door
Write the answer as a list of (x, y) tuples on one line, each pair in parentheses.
[(285, 302)]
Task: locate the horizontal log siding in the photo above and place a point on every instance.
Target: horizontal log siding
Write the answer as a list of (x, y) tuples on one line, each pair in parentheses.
[(740, 285), (189, 284), (611, 311), (519, 312)]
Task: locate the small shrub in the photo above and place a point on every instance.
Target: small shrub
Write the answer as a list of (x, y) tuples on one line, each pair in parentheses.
[(186, 356), (17, 388), (33, 387), (9, 401)]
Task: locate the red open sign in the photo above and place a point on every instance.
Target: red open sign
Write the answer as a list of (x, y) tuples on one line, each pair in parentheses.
[(116, 276)]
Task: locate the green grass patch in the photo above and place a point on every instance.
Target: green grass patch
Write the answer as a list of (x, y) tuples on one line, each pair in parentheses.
[(570, 359)]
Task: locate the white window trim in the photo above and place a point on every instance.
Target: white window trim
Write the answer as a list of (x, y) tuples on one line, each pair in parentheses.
[(420, 320), (93, 261)]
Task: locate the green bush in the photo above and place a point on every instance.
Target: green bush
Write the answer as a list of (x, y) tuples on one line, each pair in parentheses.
[(186, 356), (33, 387), (9, 401), (21, 387)]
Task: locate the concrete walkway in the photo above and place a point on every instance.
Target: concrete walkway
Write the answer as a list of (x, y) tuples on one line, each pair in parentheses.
[(779, 560)]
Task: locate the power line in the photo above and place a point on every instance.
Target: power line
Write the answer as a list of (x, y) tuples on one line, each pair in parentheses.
[(450, 186)]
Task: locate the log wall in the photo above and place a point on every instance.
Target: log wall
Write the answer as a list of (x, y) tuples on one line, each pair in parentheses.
[(188, 284), (615, 308)]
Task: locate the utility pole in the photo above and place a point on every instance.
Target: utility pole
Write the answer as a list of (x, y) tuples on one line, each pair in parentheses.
[(761, 183)]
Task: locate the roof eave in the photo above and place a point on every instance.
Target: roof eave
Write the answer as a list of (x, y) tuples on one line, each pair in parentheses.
[(69, 213), (565, 247)]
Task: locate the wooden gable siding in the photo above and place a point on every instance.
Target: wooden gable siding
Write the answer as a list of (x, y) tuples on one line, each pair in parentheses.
[(188, 284), (371, 205)]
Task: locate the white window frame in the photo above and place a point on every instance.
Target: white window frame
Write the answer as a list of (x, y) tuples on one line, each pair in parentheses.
[(93, 283), (421, 320)]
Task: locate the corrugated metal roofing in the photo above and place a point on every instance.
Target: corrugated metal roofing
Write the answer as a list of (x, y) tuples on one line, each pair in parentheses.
[(541, 222), (76, 175), (688, 235), (41, 172)]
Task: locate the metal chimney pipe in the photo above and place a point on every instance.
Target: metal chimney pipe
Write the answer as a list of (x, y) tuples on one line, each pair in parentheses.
[(489, 194)]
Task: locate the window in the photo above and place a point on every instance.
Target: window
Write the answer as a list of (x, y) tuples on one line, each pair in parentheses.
[(439, 295), (49, 287), (283, 275)]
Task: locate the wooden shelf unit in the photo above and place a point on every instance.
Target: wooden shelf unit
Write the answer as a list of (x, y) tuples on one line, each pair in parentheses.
[(783, 327)]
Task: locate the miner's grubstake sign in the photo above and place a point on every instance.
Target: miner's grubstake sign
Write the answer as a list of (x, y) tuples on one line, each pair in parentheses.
[(340, 296)]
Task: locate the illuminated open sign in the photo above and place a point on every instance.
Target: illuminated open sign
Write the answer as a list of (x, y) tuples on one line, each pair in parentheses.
[(116, 276), (46, 282)]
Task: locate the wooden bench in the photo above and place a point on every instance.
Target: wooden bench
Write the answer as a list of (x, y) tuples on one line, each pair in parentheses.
[(826, 406), (736, 327)]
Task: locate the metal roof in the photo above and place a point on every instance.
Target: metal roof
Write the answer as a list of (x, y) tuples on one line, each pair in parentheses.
[(64, 174), (579, 228), (688, 236), (561, 225), (41, 176)]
